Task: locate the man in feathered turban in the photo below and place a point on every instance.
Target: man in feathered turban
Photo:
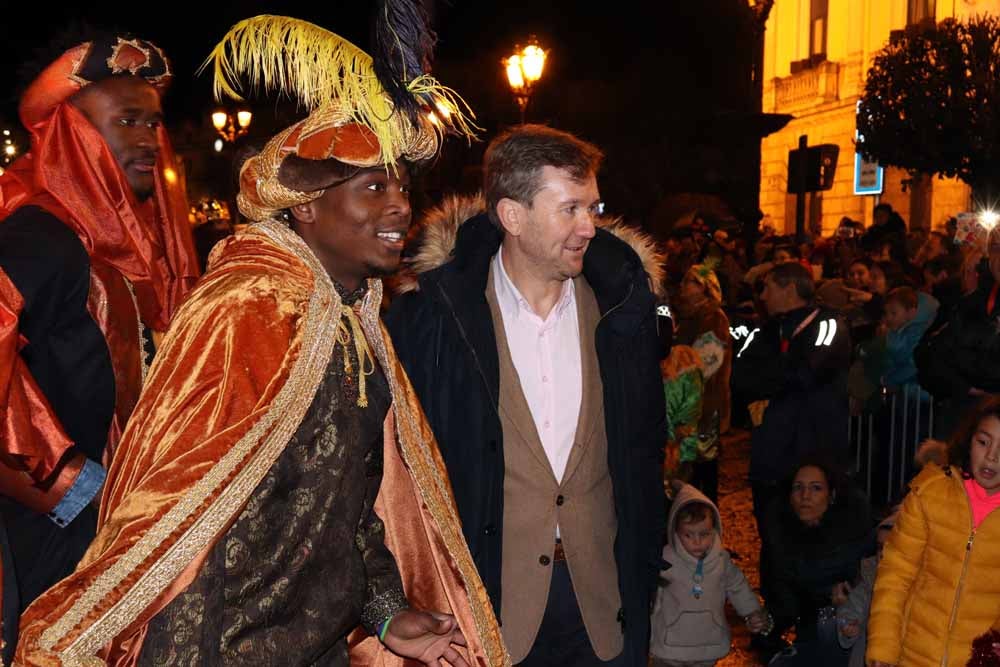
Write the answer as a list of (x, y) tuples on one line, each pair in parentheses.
[(279, 498), (95, 253)]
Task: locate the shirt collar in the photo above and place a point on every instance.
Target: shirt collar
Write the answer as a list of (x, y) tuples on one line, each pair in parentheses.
[(512, 301)]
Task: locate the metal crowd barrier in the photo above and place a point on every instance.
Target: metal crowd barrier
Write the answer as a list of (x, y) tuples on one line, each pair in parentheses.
[(885, 442)]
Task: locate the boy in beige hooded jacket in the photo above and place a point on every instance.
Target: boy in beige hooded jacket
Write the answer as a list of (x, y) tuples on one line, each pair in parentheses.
[(689, 624)]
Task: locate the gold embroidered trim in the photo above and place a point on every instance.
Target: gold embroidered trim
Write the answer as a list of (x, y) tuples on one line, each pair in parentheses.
[(133, 69), (419, 455), (74, 74), (144, 364), (261, 445), (160, 79)]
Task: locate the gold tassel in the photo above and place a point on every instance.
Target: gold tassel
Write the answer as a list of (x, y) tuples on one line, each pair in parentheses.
[(320, 68), (350, 326)]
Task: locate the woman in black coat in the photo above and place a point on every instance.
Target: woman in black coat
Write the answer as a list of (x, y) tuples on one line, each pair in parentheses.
[(817, 535)]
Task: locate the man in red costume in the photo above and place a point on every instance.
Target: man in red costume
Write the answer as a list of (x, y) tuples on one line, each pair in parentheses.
[(278, 497), (95, 255)]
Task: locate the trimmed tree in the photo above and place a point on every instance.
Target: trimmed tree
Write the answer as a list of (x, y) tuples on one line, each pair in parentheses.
[(931, 103)]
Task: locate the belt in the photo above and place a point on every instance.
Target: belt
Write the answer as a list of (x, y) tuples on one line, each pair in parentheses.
[(558, 554)]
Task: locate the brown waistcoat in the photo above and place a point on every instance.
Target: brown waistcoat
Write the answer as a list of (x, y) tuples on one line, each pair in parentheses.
[(534, 502)]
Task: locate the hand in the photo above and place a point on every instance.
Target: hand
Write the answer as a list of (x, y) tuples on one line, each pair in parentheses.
[(426, 636), (756, 622), (757, 409), (850, 629), (838, 595)]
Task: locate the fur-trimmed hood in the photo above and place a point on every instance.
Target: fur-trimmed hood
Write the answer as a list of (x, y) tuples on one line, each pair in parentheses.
[(437, 231)]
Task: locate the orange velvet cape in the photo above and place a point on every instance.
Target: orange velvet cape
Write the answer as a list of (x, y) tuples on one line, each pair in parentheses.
[(231, 383)]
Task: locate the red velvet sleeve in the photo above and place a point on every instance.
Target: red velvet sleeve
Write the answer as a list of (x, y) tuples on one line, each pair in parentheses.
[(36, 466)]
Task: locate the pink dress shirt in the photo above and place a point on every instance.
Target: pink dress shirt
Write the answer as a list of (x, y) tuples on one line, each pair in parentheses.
[(546, 355)]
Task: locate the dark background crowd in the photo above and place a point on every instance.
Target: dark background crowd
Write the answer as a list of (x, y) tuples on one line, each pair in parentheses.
[(853, 358)]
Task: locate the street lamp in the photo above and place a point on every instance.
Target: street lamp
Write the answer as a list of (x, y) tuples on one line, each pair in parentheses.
[(231, 126), (524, 69)]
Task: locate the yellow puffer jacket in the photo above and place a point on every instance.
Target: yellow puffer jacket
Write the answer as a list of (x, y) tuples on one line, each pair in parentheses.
[(938, 585)]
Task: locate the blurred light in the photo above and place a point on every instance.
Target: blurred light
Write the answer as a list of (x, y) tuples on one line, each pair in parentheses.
[(432, 117), (6, 133), (219, 119), (444, 108), (514, 74), (10, 150), (1, 171), (989, 218), (533, 62), (170, 175), (243, 118), (218, 145)]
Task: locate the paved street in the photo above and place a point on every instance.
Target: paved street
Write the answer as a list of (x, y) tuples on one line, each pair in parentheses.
[(739, 533)]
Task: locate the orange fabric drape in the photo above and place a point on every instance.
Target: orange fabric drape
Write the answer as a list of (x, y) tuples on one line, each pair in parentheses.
[(149, 243), (234, 349)]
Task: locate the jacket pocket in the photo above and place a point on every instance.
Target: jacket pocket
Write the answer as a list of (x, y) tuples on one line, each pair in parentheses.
[(696, 628)]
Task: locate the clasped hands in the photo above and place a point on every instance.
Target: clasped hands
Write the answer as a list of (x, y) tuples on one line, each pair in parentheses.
[(426, 636)]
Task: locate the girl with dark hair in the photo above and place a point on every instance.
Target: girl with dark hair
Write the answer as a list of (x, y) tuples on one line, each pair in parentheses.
[(817, 535), (937, 587)]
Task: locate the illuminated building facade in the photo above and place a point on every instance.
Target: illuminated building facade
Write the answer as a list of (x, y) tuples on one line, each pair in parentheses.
[(816, 56)]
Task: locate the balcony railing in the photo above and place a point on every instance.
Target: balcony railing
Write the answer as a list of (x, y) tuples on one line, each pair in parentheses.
[(806, 88)]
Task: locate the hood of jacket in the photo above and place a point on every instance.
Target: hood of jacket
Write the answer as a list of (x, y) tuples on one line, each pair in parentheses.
[(685, 494), (927, 309), (438, 242)]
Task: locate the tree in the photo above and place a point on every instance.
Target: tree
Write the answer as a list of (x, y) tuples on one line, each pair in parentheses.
[(931, 103)]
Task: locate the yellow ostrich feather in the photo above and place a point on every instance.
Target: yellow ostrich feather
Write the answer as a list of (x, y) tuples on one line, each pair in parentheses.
[(320, 68)]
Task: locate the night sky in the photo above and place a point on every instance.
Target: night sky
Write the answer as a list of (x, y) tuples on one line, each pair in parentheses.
[(644, 79)]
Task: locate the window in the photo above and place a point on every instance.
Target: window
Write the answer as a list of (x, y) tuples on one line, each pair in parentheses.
[(817, 27), (918, 11)]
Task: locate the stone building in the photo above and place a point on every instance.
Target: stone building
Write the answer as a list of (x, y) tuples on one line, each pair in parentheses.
[(816, 56)]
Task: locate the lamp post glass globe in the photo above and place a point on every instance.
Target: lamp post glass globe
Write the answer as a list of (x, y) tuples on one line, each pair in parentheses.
[(524, 68), (231, 126)]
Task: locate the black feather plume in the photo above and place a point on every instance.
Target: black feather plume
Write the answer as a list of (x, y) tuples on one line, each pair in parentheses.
[(403, 43)]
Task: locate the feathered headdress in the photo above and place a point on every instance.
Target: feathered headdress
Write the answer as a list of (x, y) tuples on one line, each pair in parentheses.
[(363, 111), (322, 70)]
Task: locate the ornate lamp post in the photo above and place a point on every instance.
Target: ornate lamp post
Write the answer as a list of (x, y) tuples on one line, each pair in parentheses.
[(524, 69), (231, 126)]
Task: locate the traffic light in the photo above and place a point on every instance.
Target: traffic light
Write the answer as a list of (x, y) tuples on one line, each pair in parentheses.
[(812, 168)]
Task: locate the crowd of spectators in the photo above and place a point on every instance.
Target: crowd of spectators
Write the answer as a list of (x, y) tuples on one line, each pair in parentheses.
[(818, 331)]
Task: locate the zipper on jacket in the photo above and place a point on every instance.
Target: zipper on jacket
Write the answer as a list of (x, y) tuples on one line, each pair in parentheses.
[(961, 579), (494, 401), (628, 295)]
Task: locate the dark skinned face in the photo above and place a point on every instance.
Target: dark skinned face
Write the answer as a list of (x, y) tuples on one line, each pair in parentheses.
[(357, 228), (126, 111)]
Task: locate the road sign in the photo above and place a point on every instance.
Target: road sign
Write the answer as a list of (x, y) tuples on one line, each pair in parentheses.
[(868, 176)]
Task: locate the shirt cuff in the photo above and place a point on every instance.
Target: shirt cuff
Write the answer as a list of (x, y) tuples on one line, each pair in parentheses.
[(383, 606), (86, 485)]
